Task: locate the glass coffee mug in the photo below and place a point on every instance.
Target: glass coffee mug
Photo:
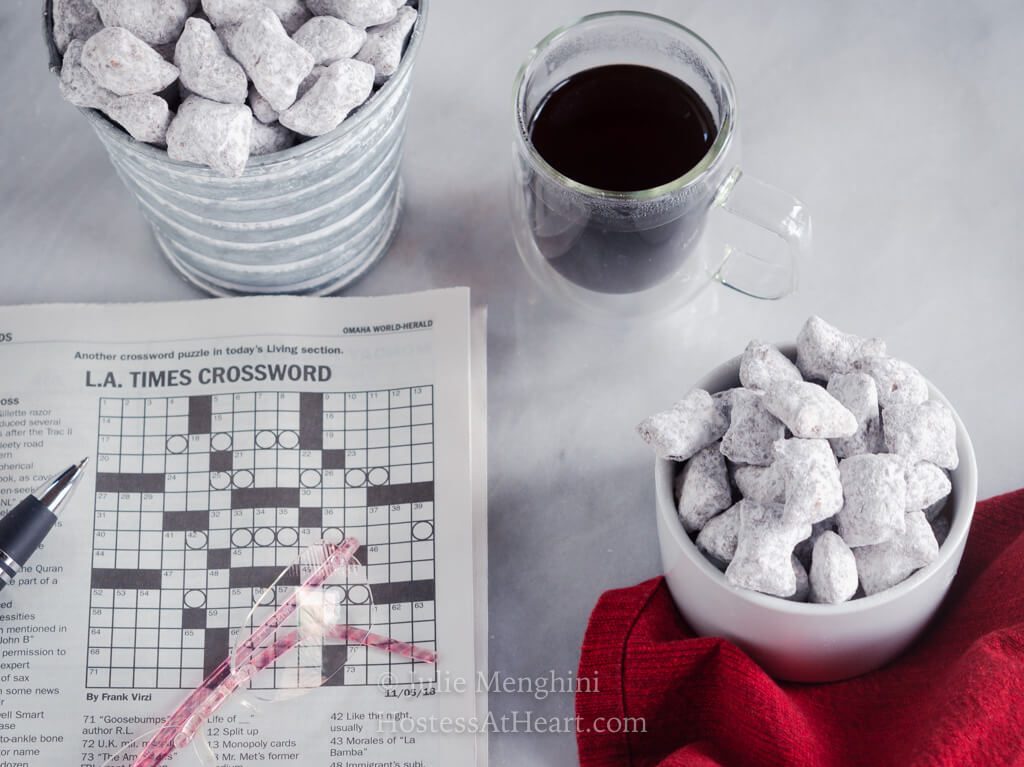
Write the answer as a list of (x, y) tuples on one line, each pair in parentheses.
[(636, 253)]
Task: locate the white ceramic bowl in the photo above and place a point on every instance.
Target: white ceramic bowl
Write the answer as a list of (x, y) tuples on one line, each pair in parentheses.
[(811, 642)]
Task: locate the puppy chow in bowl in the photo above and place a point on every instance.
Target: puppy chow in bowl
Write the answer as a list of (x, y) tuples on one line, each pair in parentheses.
[(820, 480)]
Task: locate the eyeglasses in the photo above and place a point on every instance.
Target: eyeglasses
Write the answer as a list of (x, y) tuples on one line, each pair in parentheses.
[(299, 634)]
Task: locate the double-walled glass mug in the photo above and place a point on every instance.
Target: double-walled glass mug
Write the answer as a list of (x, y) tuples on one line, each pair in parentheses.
[(624, 253)]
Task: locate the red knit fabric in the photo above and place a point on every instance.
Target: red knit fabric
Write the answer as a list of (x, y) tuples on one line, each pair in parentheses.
[(955, 698)]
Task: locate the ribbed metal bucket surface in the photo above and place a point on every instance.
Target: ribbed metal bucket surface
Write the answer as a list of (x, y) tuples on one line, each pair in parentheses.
[(309, 220)]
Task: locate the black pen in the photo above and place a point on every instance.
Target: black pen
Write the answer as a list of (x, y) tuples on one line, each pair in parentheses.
[(25, 526)]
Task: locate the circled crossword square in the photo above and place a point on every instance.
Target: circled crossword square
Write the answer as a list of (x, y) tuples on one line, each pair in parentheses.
[(199, 500)]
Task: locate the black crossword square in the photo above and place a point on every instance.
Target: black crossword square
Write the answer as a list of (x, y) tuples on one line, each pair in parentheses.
[(193, 618), (311, 518), (221, 461), (218, 559), (333, 459)]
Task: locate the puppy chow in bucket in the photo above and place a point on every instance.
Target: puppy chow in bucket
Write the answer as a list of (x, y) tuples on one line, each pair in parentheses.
[(146, 117), (157, 22), (74, 20), (383, 47), (210, 133), (358, 13), (329, 39), (124, 64), (205, 67), (342, 87), (266, 55), (275, 63)]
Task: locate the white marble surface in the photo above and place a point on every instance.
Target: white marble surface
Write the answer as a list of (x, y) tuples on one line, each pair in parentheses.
[(898, 125)]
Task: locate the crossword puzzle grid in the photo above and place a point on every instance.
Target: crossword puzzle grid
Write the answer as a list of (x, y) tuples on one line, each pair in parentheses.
[(202, 501)]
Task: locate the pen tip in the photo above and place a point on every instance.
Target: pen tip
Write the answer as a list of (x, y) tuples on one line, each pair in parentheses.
[(83, 462)]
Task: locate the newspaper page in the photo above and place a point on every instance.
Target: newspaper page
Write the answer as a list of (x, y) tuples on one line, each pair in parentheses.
[(224, 436)]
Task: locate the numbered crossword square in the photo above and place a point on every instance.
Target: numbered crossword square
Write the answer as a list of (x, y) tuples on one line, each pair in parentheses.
[(202, 501)]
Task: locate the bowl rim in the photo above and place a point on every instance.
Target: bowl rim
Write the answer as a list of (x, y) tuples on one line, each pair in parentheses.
[(965, 495)]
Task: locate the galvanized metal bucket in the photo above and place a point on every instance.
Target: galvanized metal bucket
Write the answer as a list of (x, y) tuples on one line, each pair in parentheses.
[(308, 220)]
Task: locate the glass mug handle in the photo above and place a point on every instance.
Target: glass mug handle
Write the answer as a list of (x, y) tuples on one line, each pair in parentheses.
[(762, 253)]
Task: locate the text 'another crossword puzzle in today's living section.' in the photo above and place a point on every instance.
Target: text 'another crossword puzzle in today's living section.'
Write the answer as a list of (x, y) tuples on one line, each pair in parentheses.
[(202, 501)]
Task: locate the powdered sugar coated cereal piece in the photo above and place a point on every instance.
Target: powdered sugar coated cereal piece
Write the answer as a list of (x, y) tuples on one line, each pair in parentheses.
[(764, 484), (228, 12), (210, 133), (868, 439), (723, 403), (311, 80), (692, 424), (940, 529), (344, 86), (155, 21), (704, 488), (803, 583), (762, 364), (385, 43), (899, 383), (718, 537), (927, 484), (858, 393), (124, 64), (74, 20), (808, 410), (805, 548), (924, 432), (261, 108), (814, 491), (275, 63), (833, 570), (822, 349), (763, 560), (358, 13), (77, 84), (329, 39), (752, 432), (267, 139), (206, 68), (875, 493), (146, 117), (292, 13), (884, 565)]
